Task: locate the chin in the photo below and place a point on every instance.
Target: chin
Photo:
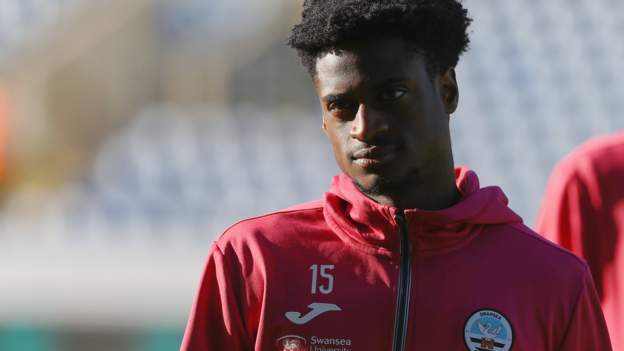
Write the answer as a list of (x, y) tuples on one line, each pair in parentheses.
[(386, 183), (375, 184)]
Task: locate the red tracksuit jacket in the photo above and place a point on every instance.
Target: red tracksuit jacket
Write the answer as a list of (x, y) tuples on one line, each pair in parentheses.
[(583, 211), (349, 274)]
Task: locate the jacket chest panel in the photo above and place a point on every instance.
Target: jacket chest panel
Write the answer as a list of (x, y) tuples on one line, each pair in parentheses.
[(459, 308), (326, 304)]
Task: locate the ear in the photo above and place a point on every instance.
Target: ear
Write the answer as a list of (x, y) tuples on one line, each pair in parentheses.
[(449, 92)]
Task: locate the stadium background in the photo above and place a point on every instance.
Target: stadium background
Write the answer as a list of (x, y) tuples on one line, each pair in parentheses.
[(132, 132)]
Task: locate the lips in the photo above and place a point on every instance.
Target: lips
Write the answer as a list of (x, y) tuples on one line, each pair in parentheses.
[(374, 155)]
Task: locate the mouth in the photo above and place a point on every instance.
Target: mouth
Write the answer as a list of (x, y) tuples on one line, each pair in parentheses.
[(374, 155)]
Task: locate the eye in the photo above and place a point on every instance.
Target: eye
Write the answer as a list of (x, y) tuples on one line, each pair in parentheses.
[(339, 105), (392, 94)]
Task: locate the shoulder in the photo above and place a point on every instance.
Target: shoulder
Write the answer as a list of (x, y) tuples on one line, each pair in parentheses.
[(591, 156), (601, 145), (550, 249), (529, 252), (598, 147), (273, 225), (549, 273)]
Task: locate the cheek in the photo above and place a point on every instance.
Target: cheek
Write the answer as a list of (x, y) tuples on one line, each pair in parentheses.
[(430, 121), (339, 144), (425, 136), (335, 132)]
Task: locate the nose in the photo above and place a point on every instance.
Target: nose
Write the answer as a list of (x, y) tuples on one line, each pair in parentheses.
[(368, 124)]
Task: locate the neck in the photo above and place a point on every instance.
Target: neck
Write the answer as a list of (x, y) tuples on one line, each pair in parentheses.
[(425, 190)]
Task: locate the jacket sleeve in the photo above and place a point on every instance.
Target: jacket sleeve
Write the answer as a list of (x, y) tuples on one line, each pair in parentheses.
[(216, 321), (566, 213), (587, 329), (569, 217)]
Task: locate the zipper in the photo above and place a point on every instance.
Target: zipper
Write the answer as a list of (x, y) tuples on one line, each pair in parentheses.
[(403, 288)]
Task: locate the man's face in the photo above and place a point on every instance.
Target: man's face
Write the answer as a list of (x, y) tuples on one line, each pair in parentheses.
[(386, 118)]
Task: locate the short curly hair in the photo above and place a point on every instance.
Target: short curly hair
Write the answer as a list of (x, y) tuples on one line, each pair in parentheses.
[(436, 28)]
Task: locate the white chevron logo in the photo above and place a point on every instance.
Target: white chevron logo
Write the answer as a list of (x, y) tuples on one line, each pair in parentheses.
[(316, 310)]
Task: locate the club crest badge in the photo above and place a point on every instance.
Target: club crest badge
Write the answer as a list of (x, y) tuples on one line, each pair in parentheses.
[(292, 343), (488, 330)]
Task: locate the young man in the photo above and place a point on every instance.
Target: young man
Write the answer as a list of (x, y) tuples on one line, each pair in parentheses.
[(583, 210), (404, 252)]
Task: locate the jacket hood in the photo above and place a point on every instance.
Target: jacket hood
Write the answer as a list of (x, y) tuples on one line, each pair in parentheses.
[(369, 226)]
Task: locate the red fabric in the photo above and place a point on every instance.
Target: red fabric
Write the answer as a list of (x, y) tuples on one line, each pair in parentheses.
[(474, 256), (583, 210)]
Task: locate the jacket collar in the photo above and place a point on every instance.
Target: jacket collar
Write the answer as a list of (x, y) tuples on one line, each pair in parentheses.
[(373, 228)]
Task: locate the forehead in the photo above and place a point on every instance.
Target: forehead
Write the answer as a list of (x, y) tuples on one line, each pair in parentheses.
[(372, 61)]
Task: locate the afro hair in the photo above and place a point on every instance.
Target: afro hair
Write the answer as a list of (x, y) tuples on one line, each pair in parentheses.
[(436, 28)]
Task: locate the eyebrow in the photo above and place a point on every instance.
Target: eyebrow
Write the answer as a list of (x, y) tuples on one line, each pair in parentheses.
[(329, 98), (333, 97), (391, 80)]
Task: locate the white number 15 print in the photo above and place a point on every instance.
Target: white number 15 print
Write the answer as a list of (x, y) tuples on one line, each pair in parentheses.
[(322, 272)]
